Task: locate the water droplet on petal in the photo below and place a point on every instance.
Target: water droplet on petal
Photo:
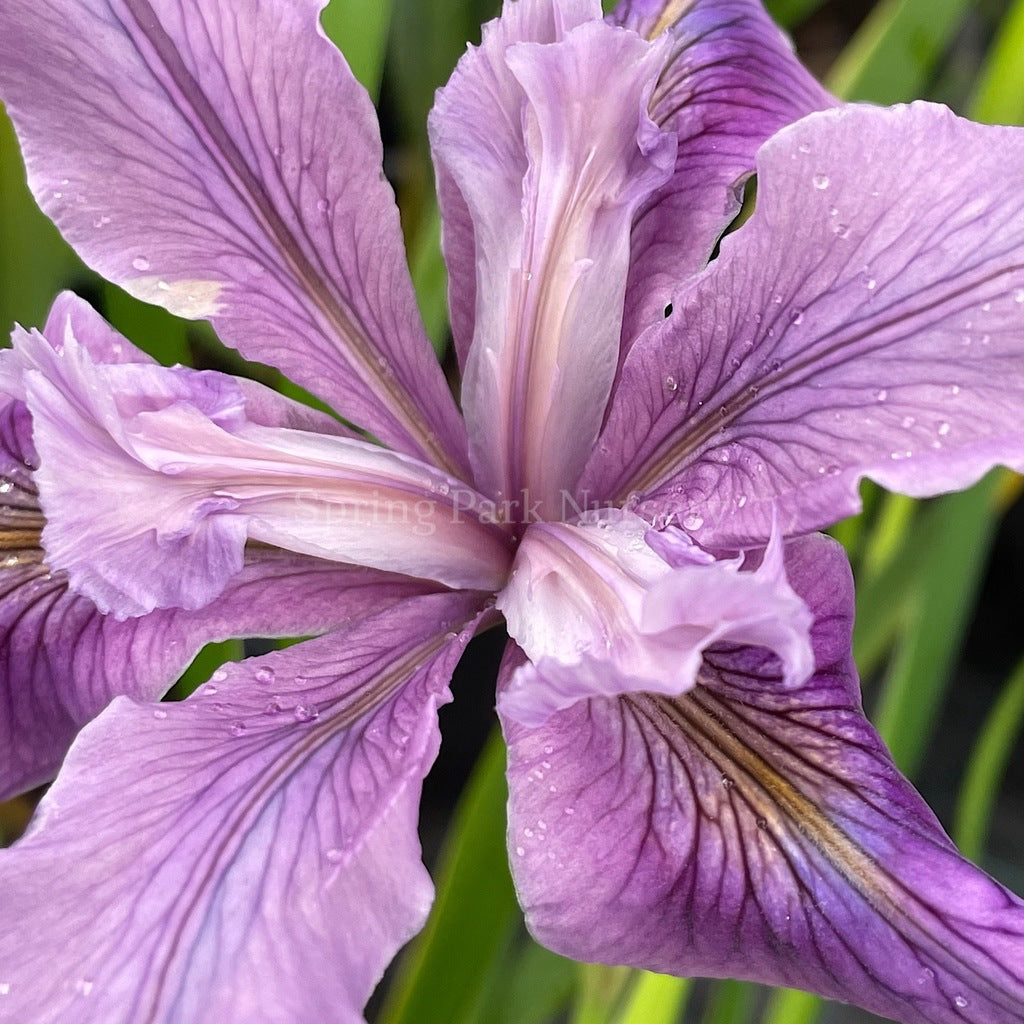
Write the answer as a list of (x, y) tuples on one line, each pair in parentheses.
[(323, 205), (762, 824), (83, 986), (821, 182), (140, 263), (881, 395), (671, 384), (335, 855), (305, 713), (520, 851), (796, 317), (804, 148), (265, 674), (944, 429), (209, 690), (961, 1002), (5, 988), (160, 713), (727, 782), (237, 728), (692, 522)]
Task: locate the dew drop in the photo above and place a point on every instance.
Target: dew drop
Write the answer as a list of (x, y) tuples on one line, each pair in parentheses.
[(762, 824), (305, 713), (237, 729), (821, 182), (323, 205), (741, 501), (218, 677), (570, 811), (796, 317), (335, 855), (841, 230), (160, 713), (881, 395), (5, 988), (274, 706), (163, 286), (804, 148), (58, 195), (101, 222), (671, 384), (279, 151), (528, 275), (954, 389), (1018, 295), (870, 284), (693, 522), (83, 986), (549, 750), (986, 306), (520, 851), (960, 1001), (727, 782), (908, 422), (265, 674), (140, 263), (209, 690)]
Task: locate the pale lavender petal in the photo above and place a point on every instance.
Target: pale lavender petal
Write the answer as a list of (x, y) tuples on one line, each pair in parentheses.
[(730, 83), (152, 479), (61, 661), (221, 160), (607, 607), (485, 94), (754, 831), (544, 133), (867, 321), (247, 855)]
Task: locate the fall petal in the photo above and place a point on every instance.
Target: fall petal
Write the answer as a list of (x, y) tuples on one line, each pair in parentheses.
[(867, 321), (225, 164), (753, 830), (298, 876)]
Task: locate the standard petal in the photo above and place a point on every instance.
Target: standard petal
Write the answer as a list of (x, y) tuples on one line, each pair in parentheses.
[(247, 855), (551, 149), (731, 82), (220, 160), (752, 830), (608, 606), (153, 478), (867, 321)]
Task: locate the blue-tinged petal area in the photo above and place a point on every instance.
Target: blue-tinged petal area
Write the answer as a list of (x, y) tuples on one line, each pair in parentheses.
[(249, 854), (544, 131), (867, 321), (730, 83), (219, 159), (152, 480), (753, 830), (62, 661)]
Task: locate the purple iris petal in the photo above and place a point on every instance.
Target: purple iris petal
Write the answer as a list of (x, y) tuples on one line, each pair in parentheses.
[(607, 606), (152, 479), (731, 81), (552, 150), (221, 160), (248, 854), (753, 830), (865, 322)]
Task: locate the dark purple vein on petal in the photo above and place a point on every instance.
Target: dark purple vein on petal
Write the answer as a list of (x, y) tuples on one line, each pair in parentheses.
[(247, 186)]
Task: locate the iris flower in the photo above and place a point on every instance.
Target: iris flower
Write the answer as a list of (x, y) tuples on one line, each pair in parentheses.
[(648, 440)]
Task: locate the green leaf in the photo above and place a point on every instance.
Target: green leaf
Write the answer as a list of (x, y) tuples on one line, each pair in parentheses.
[(892, 57), (789, 1006), (35, 263), (443, 975), (961, 528), (791, 12), (655, 999), (730, 1001), (1000, 92), (601, 994), (430, 277), (987, 765), (359, 28)]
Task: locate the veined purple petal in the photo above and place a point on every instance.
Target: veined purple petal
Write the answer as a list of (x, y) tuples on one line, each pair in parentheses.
[(61, 661), (247, 855), (867, 321), (752, 830), (608, 606), (152, 479), (220, 160), (730, 83), (552, 151)]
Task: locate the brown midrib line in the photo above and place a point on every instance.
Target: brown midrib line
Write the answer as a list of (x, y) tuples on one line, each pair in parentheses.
[(151, 27), (702, 718)]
